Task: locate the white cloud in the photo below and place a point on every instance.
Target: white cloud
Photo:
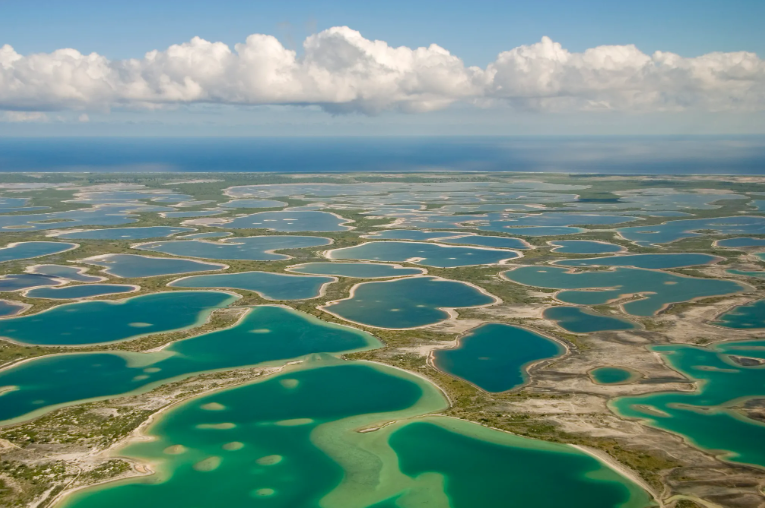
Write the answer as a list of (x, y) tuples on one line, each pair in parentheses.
[(24, 116), (341, 71)]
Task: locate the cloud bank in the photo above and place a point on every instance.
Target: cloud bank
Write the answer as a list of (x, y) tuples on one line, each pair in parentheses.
[(341, 71)]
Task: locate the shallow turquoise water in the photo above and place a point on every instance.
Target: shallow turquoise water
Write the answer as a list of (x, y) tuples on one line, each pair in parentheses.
[(583, 247), (135, 266), (256, 248), (611, 375), (678, 229), (751, 315), (287, 222), (73, 273), (126, 233), (290, 441), (27, 250), (274, 286), (747, 274), (741, 242), (431, 254), (499, 242), (705, 417), (265, 334), (496, 357), (577, 320), (652, 261), (94, 322), (479, 473), (659, 288), (409, 234), (407, 303), (81, 291), (357, 270)]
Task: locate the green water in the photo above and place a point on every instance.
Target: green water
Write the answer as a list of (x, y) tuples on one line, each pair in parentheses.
[(652, 261), (430, 254), (751, 315), (356, 270), (495, 357), (265, 334), (291, 441), (658, 288), (407, 303), (578, 320), (707, 416), (273, 286), (583, 247), (135, 266), (26, 250), (256, 248), (611, 375), (94, 322), (81, 291)]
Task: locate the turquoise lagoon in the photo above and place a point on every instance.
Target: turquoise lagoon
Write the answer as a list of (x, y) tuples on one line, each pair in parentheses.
[(125, 233), (410, 234), (496, 357), (650, 261), (298, 446), (429, 254), (741, 242), (534, 230), (264, 334), (255, 248), (583, 247), (407, 303), (679, 229), (288, 222), (80, 291), (708, 417), (135, 266), (658, 289), (27, 250), (270, 285), (578, 320), (612, 375), (356, 270), (95, 322), (751, 315), (73, 273)]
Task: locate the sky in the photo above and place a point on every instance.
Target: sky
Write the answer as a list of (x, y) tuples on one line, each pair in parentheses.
[(548, 67)]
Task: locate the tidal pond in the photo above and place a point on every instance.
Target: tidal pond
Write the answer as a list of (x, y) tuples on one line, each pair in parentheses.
[(264, 334), (407, 303), (657, 289), (73, 273), (612, 375), (288, 222), (410, 234), (741, 242), (299, 446), (428, 254), (713, 417), (751, 315), (95, 322), (499, 242), (496, 357), (19, 281), (270, 285), (650, 261), (28, 250), (125, 233), (255, 248), (578, 320), (356, 270), (79, 291), (131, 266), (679, 229), (10, 308)]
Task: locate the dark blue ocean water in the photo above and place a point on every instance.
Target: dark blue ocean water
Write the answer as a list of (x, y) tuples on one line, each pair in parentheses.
[(649, 155)]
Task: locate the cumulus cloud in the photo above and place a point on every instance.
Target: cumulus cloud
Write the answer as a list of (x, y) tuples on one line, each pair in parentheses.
[(341, 71)]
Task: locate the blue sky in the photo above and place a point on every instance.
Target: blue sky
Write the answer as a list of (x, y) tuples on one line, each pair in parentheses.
[(476, 32)]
